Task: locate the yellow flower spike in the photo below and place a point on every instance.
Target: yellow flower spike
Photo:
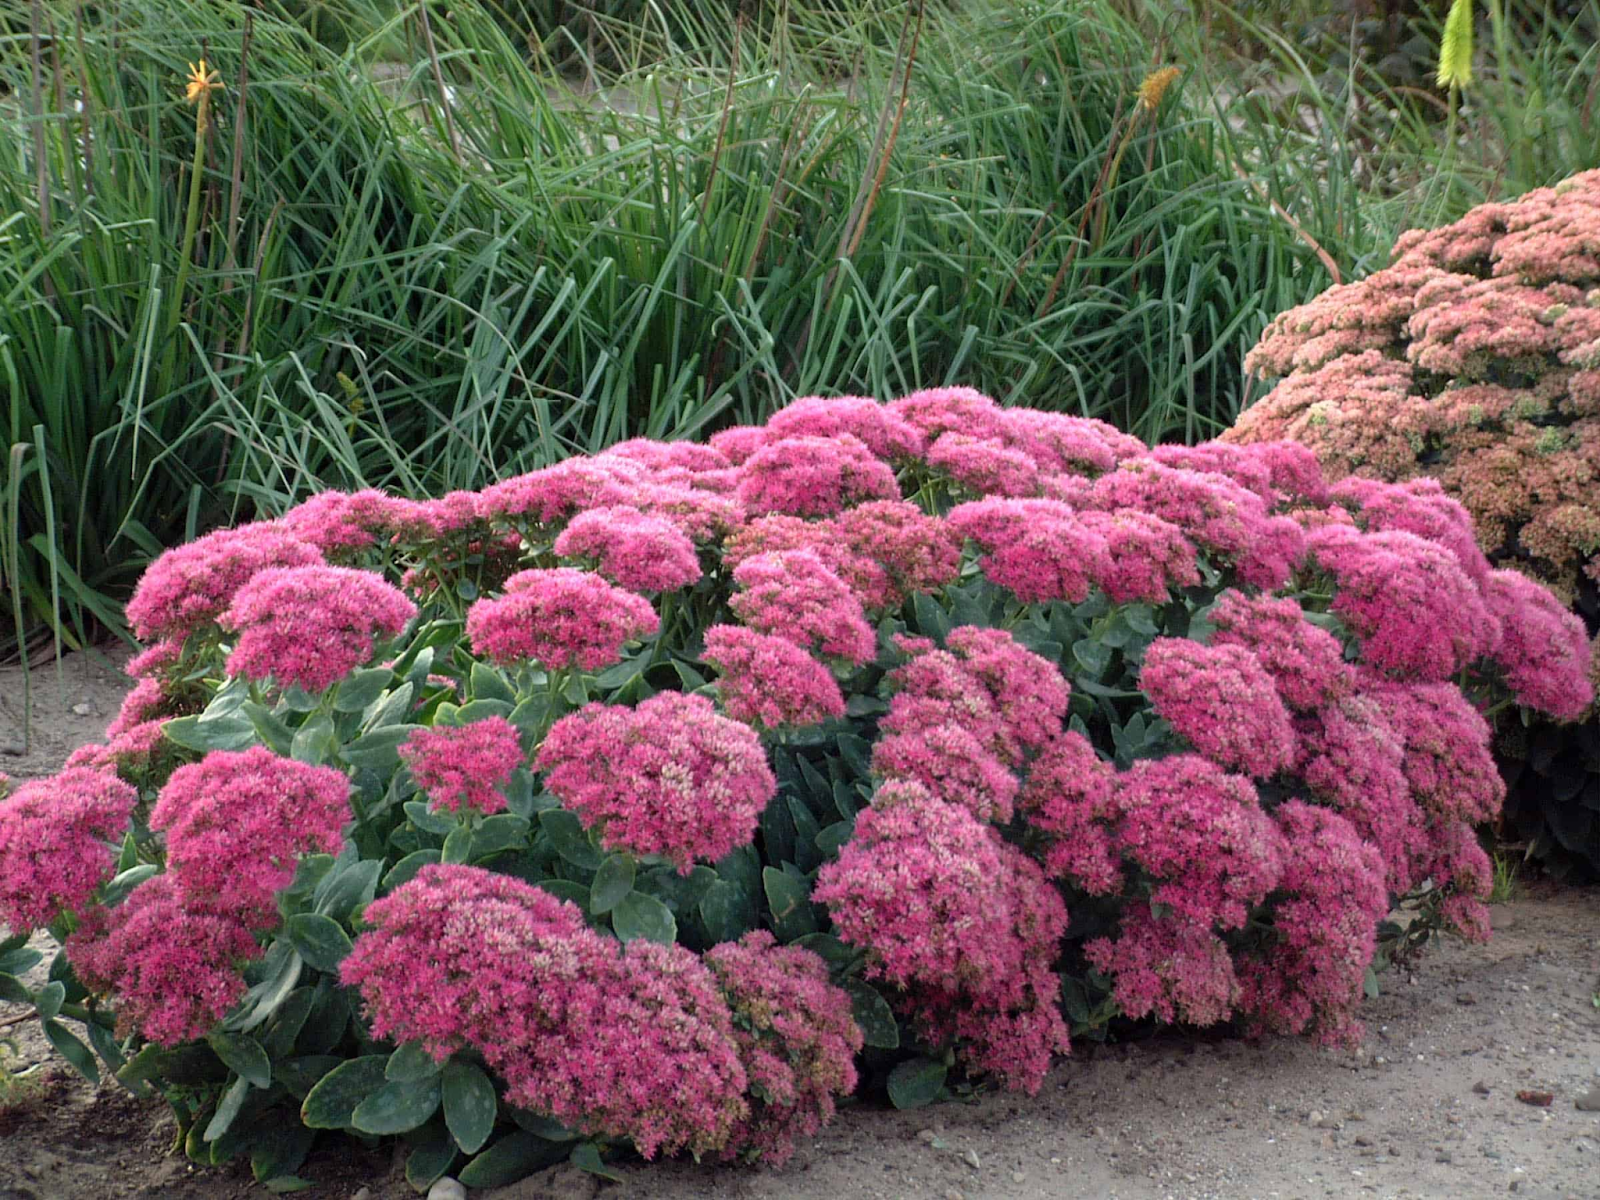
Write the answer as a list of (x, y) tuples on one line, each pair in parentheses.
[(1155, 86), (1455, 47), (200, 81)]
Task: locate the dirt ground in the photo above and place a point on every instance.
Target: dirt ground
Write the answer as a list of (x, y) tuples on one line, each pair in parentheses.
[(1427, 1107)]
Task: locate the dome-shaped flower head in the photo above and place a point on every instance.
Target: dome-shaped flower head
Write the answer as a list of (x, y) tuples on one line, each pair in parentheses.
[(1448, 758), (1305, 661), (1174, 967), (814, 476), (55, 837), (1061, 443), (193, 584), (950, 761), (984, 466), (927, 891), (464, 766), (173, 965), (792, 594), (1326, 925), (892, 550), (769, 681), (311, 626), (670, 777), (555, 493), (1029, 692), (343, 524), (999, 520), (633, 1044), (1146, 557), (1418, 506), (739, 442), (693, 457), (935, 411), (1238, 463), (1544, 650), (1068, 797), (1459, 868), (1222, 702), (1213, 511), (1293, 470), (1054, 558), (880, 429), (559, 618), (797, 1039), (640, 552), (1201, 832), (238, 821), (454, 515), (1407, 599), (154, 661)]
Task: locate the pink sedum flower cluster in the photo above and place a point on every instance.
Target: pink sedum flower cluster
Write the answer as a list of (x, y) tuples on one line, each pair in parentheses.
[(312, 626), (636, 550), (560, 618), (671, 777), (770, 682), (793, 595), (464, 766), (1222, 702), (56, 839)]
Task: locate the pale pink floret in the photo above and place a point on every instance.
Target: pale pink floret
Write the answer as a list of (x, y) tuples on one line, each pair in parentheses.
[(55, 843), (792, 594), (464, 766), (640, 552), (172, 965), (192, 585), (237, 822), (312, 626), (1222, 702), (560, 618), (1544, 649), (769, 681), (797, 1040), (553, 494), (814, 476), (670, 777), (892, 551)]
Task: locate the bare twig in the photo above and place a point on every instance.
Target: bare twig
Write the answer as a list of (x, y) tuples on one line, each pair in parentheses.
[(438, 79)]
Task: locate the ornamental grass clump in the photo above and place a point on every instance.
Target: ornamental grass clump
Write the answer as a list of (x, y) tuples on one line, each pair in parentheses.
[(490, 824), (1468, 370)]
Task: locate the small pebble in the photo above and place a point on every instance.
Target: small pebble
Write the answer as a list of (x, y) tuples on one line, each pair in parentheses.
[(972, 1160), (1481, 1088), (1019, 1177), (446, 1188), (1589, 1101)]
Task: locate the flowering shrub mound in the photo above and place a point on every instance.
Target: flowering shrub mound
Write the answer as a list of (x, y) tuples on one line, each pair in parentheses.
[(1469, 369), (662, 798)]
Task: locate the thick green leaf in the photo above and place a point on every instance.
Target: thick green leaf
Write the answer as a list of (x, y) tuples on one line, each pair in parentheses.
[(49, 999), (567, 889), (397, 1107), (19, 961), (470, 1106), (243, 1055), (332, 1103), (72, 1049), (281, 971), (515, 1156), (440, 824), (360, 689), (411, 1063), (14, 991), (567, 835), (429, 1160), (300, 1075), (916, 1082), (501, 832), (314, 741), (281, 1184), (378, 750), (218, 733), (488, 684), (790, 900), (227, 1108), (458, 846), (348, 887), (638, 915), (280, 1150), (586, 1157), (321, 940), (873, 1015), (612, 882), (408, 867)]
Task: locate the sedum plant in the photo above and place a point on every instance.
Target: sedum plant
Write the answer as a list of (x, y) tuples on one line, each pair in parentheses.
[(1473, 360), (662, 798)]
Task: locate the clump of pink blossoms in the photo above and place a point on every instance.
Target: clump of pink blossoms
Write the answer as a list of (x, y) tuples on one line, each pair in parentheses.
[(670, 777), (792, 594), (464, 766), (813, 476), (192, 585), (797, 1040), (560, 618), (172, 964), (878, 427), (344, 524), (769, 681), (1544, 649), (1305, 662), (311, 626), (1069, 798), (238, 821), (55, 849), (632, 1042), (640, 552), (1176, 968), (1222, 702)]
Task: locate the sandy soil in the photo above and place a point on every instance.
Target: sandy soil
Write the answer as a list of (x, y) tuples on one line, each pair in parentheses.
[(1427, 1107)]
